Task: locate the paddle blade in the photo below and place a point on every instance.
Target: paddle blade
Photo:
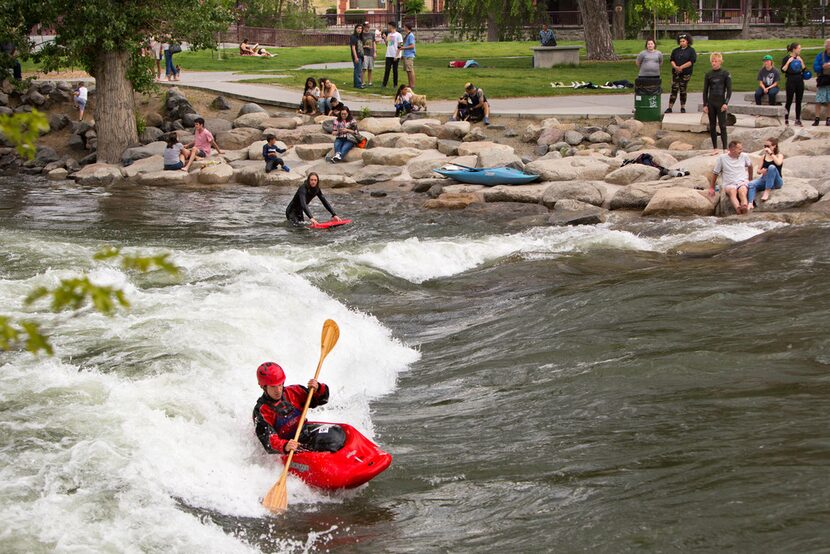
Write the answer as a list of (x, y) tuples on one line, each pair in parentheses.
[(277, 498), (331, 332)]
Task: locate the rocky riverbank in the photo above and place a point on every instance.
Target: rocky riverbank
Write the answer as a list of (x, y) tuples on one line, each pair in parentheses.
[(580, 164)]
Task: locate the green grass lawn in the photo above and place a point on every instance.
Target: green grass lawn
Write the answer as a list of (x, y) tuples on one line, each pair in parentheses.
[(505, 66)]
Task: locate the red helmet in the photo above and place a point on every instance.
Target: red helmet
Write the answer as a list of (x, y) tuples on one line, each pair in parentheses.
[(270, 374)]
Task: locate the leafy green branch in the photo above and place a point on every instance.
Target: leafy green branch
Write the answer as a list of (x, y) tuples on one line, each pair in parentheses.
[(74, 293), (23, 130)]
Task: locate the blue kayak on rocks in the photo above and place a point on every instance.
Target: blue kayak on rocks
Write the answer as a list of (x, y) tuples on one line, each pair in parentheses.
[(487, 176)]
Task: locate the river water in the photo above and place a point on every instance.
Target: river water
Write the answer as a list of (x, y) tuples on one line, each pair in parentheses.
[(633, 386)]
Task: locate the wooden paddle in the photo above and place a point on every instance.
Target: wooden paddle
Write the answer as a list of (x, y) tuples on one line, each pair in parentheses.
[(277, 498)]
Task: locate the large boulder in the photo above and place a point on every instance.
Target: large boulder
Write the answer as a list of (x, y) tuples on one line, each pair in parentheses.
[(144, 165), (679, 201), (249, 108), (217, 125), (219, 103), (386, 140), (419, 141), (277, 123), (448, 147), (98, 175), (633, 173), (814, 147), (58, 122), (150, 134), (234, 155), (310, 152), (164, 178), (177, 105), (251, 120), (452, 201), (237, 139), (430, 127), (389, 156), (57, 174), (586, 192), (549, 136), (574, 212), (794, 194), (371, 174), (45, 155), (753, 139), (216, 174), (633, 125), (598, 137), (570, 169), (130, 155), (380, 125), (807, 167), (528, 194), (498, 157), (474, 148), (454, 130)]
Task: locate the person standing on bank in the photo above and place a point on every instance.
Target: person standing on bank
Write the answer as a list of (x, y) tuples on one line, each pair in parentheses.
[(821, 67), (298, 207), (717, 91), (356, 47), (650, 60), (793, 67), (393, 54), (768, 80), (683, 59), (409, 54)]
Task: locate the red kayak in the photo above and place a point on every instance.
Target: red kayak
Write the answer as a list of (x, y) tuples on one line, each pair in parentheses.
[(359, 461)]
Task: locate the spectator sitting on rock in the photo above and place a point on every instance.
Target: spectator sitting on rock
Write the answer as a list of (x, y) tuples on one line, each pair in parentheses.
[(174, 154), (769, 178), (345, 131), (311, 95), (768, 80), (271, 152), (202, 141), (336, 107), (403, 100), (328, 91), (479, 107), (735, 171)]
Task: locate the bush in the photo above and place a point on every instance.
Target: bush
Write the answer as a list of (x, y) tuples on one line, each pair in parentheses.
[(140, 124)]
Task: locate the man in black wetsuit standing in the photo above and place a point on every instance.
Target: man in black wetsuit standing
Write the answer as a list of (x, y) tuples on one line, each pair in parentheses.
[(717, 91), (298, 207)]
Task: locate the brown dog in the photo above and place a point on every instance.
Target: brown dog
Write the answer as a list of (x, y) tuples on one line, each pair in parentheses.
[(419, 100)]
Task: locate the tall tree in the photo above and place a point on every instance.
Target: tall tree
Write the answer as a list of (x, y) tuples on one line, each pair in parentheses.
[(500, 19), (597, 30), (105, 38)]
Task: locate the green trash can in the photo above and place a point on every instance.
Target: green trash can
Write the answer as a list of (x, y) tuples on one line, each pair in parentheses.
[(647, 99), (647, 107)]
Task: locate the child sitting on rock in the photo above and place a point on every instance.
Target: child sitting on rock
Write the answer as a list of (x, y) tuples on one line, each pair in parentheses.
[(403, 100), (269, 152), (173, 155)]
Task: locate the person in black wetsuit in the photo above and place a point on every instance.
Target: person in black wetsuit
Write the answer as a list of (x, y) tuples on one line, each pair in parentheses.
[(298, 207), (793, 67), (717, 91)]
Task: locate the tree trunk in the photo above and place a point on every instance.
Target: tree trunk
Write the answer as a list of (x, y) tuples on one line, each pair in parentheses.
[(492, 27), (114, 106), (745, 23), (597, 30)]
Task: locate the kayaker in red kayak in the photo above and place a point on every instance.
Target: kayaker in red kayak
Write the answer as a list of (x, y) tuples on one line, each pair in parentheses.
[(279, 408)]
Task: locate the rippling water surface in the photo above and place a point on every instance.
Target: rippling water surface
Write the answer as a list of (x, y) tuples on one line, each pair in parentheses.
[(638, 385)]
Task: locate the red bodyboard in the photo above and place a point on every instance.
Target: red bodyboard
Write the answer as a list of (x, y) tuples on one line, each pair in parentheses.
[(332, 223)]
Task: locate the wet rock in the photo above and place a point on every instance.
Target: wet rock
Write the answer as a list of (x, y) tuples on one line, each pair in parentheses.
[(389, 156), (583, 191), (250, 108), (380, 125), (253, 120), (377, 194), (96, 174), (452, 201), (219, 103), (794, 194), (164, 178), (672, 201), (574, 212), (312, 151), (418, 141), (57, 174), (435, 190), (236, 139), (528, 194), (632, 173), (217, 174)]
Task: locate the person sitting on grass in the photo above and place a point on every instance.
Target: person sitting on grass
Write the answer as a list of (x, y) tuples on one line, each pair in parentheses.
[(768, 80), (202, 141), (246, 50), (270, 151), (479, 107), (345, 131), (735, 171), (311, 95), (769, 174), (403, 100), (174, 154)]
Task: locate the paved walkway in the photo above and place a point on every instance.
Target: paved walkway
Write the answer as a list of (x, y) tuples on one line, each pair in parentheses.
[(577, 105)]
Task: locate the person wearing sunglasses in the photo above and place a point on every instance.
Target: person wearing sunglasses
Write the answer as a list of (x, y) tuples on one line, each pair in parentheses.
[(772, 165)]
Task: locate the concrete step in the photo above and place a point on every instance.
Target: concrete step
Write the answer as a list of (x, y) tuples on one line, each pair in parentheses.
[(683, 122), (764, 111), (809, 98)]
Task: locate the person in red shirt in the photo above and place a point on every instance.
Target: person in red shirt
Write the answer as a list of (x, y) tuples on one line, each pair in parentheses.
[(202, 141), (278, 410)]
